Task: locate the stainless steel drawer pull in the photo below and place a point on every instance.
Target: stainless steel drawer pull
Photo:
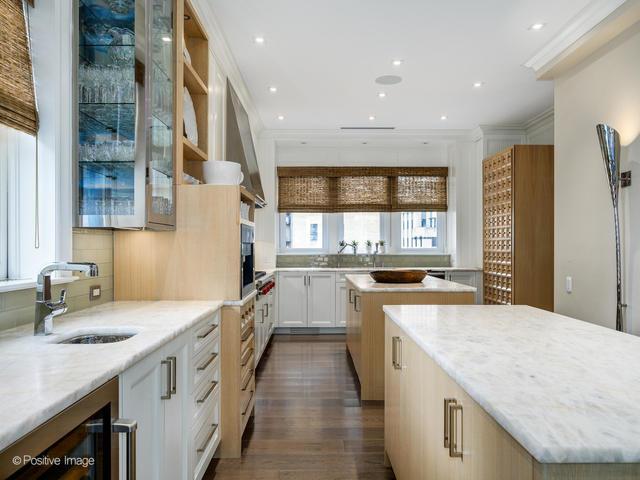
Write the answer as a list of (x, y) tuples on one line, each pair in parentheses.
[(209, 437), (174, 374), (208, 362), (248, 403), (455, 444), (206, 395), (447, 424), (167, 394), (208, 332), (351, 292), (396, 352), (128, 427), (248, 379), (356, 303)]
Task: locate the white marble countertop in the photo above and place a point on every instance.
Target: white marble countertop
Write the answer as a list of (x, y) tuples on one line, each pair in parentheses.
[(40, 377), (370, 269), (364, 283), (568, 391)]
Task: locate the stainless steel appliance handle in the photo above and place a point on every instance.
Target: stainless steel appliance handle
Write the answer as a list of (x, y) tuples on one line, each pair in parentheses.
[(128, 427), (167, 394), (174, 374)]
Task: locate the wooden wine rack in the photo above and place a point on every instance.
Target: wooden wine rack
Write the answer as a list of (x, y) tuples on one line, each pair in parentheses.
[(498, 221), (518, 226)]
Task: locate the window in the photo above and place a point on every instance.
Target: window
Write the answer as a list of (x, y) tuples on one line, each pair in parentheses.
[(362, 227), (420, 231), (303, 232)]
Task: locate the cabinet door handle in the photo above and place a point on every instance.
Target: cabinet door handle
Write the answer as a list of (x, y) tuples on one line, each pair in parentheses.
[(396, 360), (209, 437), (351, 291), (206, 334), (128, 427), (207, 363), (356, 303), (167, 393), (309, 282), (447, 424), (305, 280), (266, 305), (174, 374), (455, 444), (208, 392)]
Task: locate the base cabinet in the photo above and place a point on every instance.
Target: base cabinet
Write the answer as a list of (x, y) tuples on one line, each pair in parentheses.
[(306, 299), (433, 429), (173, 394)]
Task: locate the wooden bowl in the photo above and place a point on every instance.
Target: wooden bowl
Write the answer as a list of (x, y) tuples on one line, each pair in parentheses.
[(398, 276)]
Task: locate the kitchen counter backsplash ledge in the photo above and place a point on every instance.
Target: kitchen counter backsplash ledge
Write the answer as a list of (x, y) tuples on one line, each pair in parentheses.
[(362, 260)]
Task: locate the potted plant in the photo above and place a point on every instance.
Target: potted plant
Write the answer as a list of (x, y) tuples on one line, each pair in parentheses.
[(354, 245), (381, 247), (369, 246)]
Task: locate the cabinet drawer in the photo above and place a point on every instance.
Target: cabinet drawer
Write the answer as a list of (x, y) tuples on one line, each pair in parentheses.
[(206, 364), (246, 395), (205, 437), (247, 374), (204, 398), (247, 343), (244, 359), (205, 333)]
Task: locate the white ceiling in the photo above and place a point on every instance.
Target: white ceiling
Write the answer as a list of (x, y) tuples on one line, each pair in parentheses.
[(323, 55)]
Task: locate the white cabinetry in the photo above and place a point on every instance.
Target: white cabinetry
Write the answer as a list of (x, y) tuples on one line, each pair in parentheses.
[(341, 304), (473, 278), (321, 299), (306, 299), (170, 393)]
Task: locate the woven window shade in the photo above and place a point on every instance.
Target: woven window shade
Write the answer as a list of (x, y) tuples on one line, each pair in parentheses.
[(17, 96), (362, 189)]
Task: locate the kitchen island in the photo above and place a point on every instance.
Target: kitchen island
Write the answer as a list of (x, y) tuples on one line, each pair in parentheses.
[(365, 320), (527, 394)]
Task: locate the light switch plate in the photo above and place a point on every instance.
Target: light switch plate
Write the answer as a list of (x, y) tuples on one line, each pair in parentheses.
[(568, 284), (94, 292)]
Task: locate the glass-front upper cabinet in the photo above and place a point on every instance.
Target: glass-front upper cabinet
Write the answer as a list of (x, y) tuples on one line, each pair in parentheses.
[(125, 106)]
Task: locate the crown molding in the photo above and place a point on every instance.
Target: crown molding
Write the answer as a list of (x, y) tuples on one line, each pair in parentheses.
[(601, 21), (221, 51), (542, 120)]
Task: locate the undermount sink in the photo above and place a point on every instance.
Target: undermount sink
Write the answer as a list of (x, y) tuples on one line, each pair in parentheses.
[(89, 339)]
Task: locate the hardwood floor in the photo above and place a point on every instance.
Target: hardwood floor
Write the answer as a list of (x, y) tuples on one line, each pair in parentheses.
[(309, 423)]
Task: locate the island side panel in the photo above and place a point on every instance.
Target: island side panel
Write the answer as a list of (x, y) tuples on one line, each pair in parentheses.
[(368, 335), (586, 471)]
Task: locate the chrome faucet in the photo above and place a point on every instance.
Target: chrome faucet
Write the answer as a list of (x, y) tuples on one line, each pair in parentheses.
[(46, 310)]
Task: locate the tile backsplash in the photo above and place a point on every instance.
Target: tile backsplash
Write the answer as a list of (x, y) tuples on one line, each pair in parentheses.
[(17, 308), (354, 261)]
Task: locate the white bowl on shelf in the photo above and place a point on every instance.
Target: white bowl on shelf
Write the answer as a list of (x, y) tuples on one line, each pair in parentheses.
[(219, 172)]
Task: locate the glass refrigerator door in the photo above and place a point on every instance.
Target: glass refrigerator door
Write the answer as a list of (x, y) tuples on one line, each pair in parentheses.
[(160, 181)]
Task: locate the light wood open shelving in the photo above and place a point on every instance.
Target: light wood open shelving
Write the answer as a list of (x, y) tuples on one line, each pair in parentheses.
[(194, 76)]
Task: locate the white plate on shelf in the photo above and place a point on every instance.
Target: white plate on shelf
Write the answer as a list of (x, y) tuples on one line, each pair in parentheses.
[(189, 114)]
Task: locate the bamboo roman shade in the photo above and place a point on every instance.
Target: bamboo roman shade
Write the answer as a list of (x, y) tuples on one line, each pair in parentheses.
[(17, 96), (362, 189)]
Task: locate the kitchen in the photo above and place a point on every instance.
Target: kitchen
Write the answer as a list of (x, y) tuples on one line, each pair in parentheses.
[(234, 246)]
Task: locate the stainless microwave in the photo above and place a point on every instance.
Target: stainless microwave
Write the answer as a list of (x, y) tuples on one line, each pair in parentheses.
[(247, 260)]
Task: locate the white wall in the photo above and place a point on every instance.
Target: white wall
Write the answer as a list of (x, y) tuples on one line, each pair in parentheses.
[(603, 88)]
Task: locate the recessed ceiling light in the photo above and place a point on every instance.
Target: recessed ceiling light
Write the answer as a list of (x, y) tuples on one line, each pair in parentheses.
[(372, 117), (478, 84), (381, 94), (537, 26), (443, 117), (397, 62), (280, 117), (273, 89), (166, 39), (259, 40)]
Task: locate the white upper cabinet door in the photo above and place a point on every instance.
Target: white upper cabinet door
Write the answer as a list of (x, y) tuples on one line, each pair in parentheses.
[(342, 303), (292, 299), (321, 301)]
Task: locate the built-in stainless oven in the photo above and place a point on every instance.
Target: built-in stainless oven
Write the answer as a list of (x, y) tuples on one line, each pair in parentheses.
[(80, 442), (247, 260)]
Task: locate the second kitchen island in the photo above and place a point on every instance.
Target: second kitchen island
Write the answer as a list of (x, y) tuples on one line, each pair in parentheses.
[(365, 320)]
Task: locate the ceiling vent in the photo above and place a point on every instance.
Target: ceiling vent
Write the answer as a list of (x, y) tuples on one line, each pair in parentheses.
[(367, 128)]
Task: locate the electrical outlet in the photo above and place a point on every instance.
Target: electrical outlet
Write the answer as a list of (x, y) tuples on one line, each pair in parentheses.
[(94, 292)]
